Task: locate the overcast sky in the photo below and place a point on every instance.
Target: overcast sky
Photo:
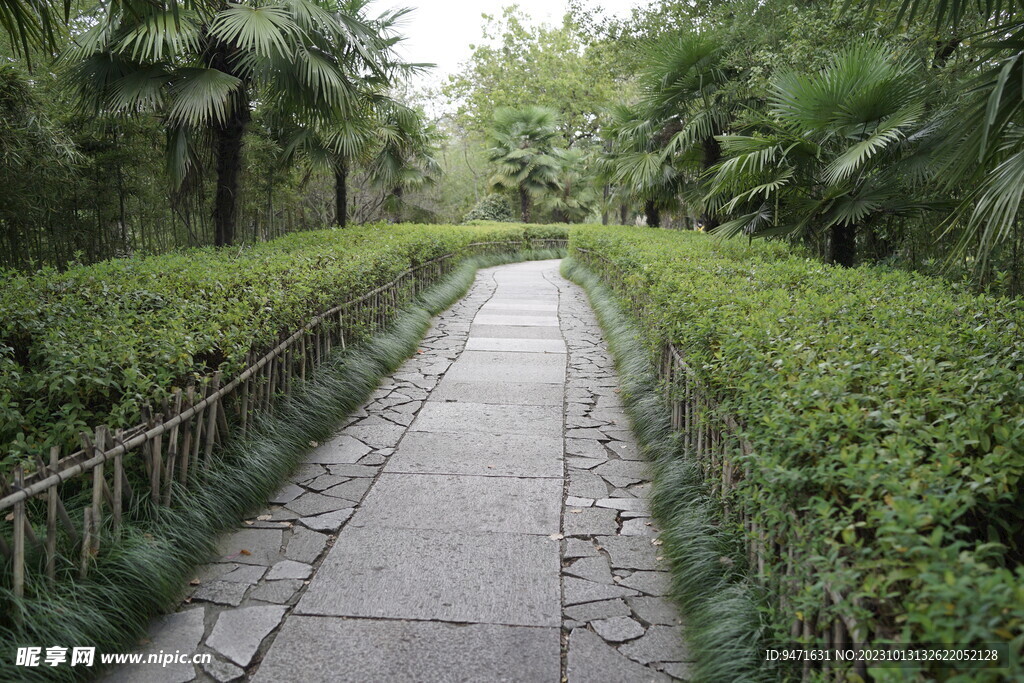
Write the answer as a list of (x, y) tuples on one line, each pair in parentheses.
[(441, 31)]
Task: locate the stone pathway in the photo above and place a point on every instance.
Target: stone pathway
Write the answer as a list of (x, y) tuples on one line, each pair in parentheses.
[(482, 518)]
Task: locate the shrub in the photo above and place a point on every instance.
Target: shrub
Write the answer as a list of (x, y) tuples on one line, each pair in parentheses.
[(91, 345), (885, 415), (493, 208)]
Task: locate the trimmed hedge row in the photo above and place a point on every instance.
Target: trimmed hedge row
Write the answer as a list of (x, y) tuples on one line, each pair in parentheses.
[(92, 344), (886, 415)]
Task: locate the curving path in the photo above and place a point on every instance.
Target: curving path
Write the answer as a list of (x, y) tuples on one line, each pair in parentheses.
[(481, 518)]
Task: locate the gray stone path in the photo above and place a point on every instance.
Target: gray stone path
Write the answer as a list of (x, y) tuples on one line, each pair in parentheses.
[(482, 518)]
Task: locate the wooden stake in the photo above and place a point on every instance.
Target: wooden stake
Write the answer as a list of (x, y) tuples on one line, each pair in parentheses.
[(157, 464), (19, 539), (243, 411), (172, 451), (211, 424), (51, 518), (83, 570), (186, 442)]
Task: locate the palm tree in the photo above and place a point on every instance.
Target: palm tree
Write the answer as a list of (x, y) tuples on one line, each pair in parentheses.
[(637, 160), (983, 151), (837, 149), (203, 68), (406, 156), (522, 147), (576, 197), (683, 90)]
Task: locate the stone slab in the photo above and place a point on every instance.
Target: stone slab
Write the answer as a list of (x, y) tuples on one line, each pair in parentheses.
[(590, 659), (517, 320), (515, 455), (632, 552), (523, 369), (521, 305), (380, 436), (319, 649), (463, 503), (180, 631), (251, 546), (459, 418), (555, 346), (655, 610), (598, 610), (578, 591), (505, 393), (512, 332), (277, 592), (341, 449), (238, 633), (434, 575), (289, 569)]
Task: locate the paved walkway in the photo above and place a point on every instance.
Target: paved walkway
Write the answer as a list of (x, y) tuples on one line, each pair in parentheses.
[(481, 518)]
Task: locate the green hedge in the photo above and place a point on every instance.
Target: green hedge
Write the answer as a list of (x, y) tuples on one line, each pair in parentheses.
[(93, 344), (886, 415)]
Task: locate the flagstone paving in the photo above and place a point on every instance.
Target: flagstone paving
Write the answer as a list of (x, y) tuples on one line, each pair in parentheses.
[(483, 517)]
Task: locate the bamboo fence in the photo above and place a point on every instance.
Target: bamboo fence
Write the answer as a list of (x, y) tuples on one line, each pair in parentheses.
[(178, 440), (713, 438)]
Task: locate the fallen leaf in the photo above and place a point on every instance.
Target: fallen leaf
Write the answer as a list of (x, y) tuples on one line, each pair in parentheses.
[(576, 512), (194, 582), (263, 518), (244, 552), (657, 541), (313, 444), (9, 517), (420, 351), (556, 537), (248, 521)]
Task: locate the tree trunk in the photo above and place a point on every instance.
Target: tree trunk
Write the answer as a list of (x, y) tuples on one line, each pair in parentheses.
[(524, 204), (712, 154), (842, 245), (653, 214), (399, 196), (604, 210), (623, 213), (228, 147), (341, 194)]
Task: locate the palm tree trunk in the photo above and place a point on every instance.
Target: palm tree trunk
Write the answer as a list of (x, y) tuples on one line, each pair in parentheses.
[(653, 214), (399, 194), (842, 245), (341, 194), (712, 154), (524, 204), (228, 148)]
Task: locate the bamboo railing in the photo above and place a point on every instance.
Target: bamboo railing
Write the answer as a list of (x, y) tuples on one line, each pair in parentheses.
[(182, 438), (713, 438)]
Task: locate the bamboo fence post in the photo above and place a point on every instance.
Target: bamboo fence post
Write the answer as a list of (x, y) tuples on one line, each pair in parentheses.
[(51, 518), (198, 438), (272, 391), (115, 513), (20, 520), (186, 441), (243, 408), (97, 488), (222, 422), (83, 570), (156, 463), (172, 451), (126, 487), (303, 353), (211, 424)]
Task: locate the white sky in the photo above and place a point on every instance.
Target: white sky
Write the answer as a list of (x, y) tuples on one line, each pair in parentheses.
[(441, 31)]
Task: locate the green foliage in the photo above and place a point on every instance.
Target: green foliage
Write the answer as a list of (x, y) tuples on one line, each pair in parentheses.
[(885, 412), (558, 67), (493, 207), (523, 153), (93, 344)]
